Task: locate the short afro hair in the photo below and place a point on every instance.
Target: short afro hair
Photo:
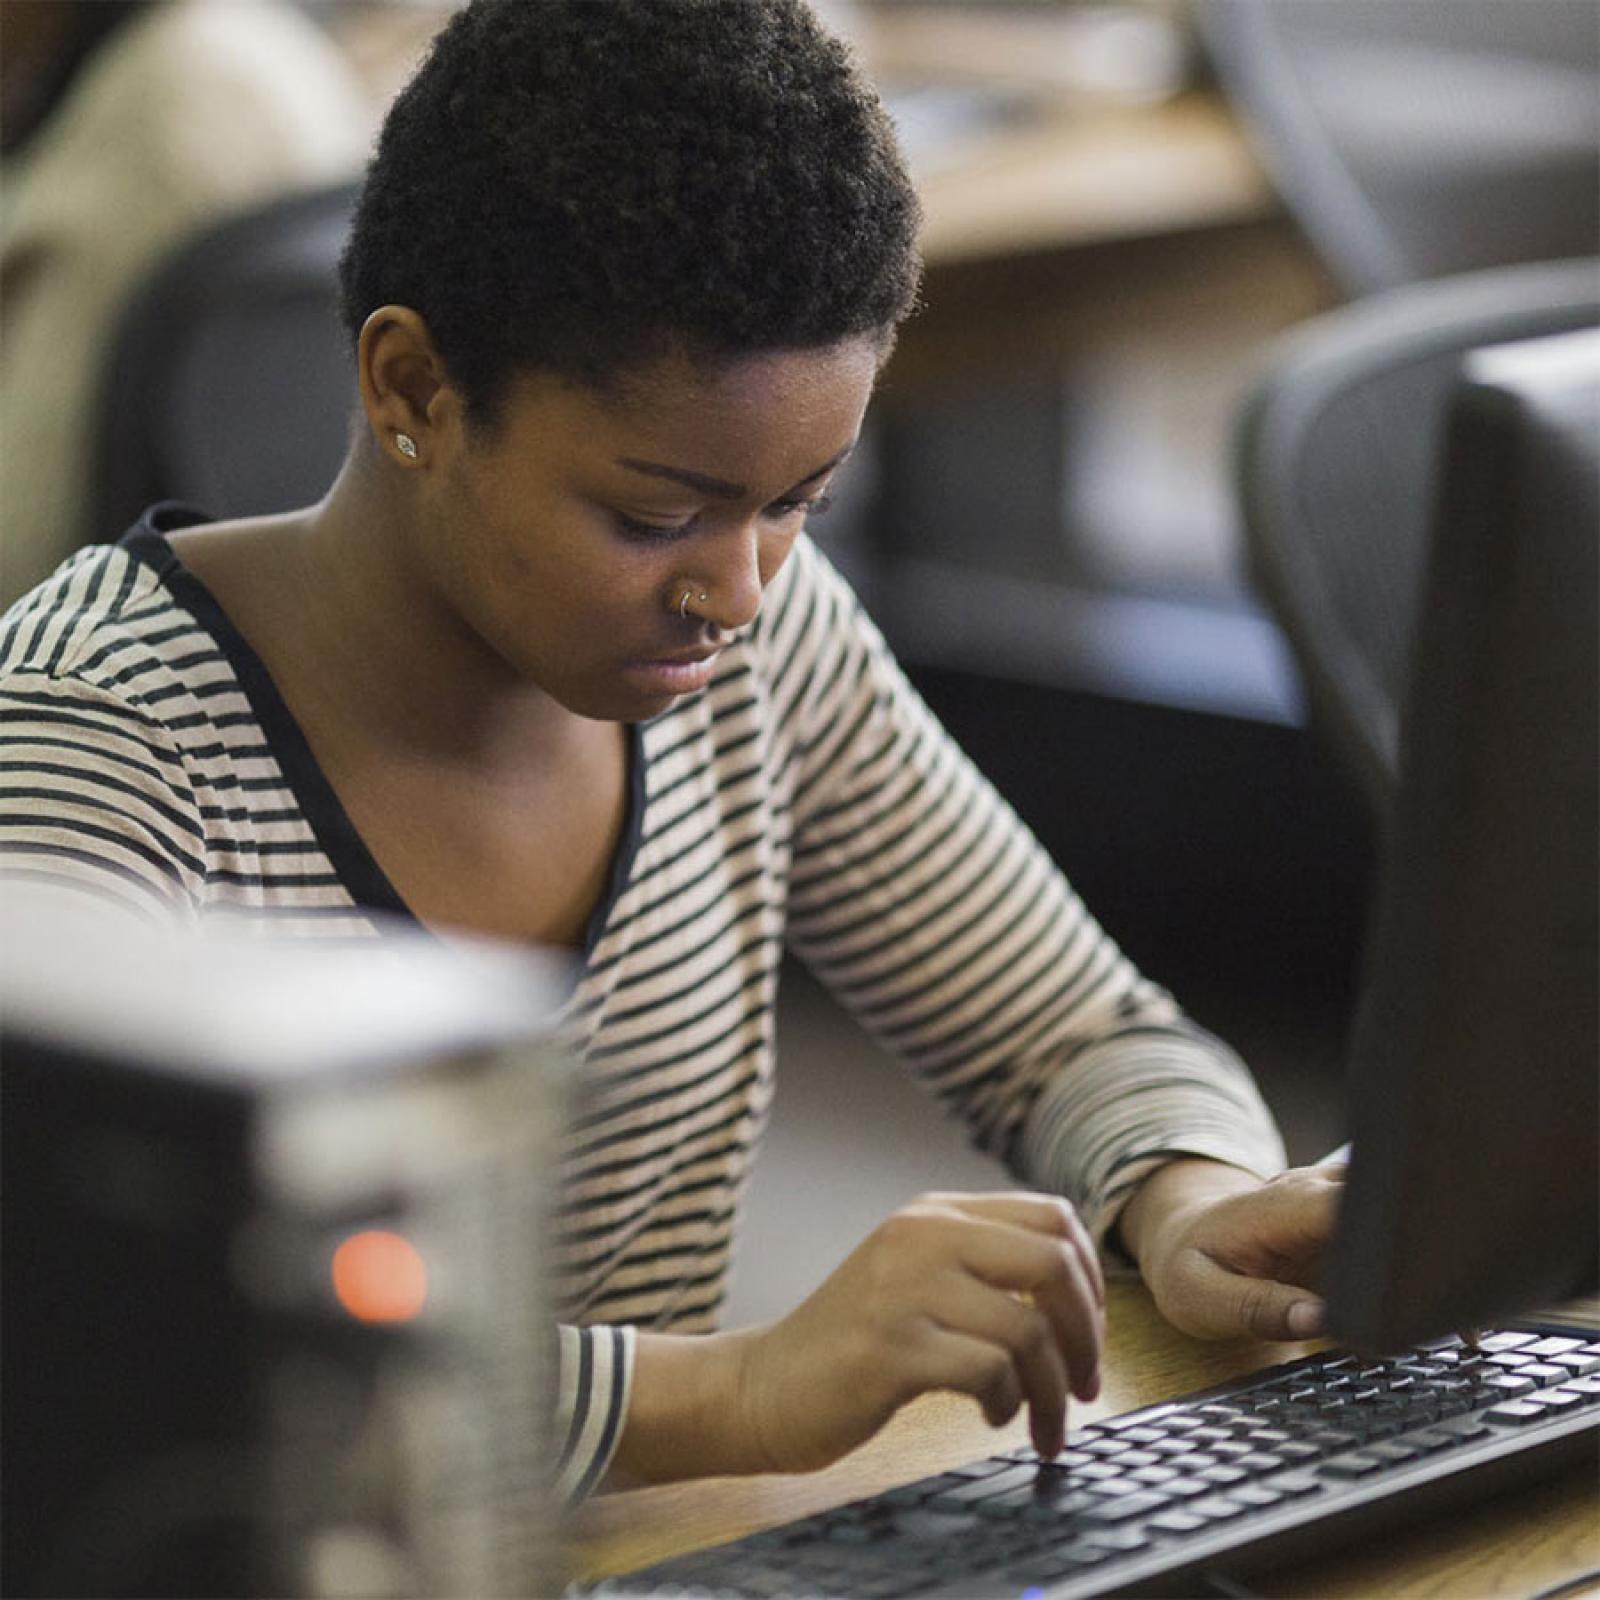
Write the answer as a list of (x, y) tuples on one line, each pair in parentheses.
[(582, 185)]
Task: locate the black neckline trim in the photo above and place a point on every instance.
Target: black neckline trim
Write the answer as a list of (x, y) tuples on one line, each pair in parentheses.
[(357, 868), (325, 815)]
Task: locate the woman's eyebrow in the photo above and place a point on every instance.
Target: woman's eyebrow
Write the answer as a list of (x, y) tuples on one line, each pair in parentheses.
[(721, 488)]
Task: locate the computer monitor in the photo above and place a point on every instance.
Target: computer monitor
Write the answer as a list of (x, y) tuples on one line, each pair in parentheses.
[(275, 1255), (1473, 1192)]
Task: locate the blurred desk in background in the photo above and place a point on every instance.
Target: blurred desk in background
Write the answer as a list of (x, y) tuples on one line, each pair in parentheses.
[(1049, 497), (1512, 1546)]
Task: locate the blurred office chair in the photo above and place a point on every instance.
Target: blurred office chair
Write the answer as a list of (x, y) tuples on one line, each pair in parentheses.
[(1337, 460), (230, 384), (1421, 138)]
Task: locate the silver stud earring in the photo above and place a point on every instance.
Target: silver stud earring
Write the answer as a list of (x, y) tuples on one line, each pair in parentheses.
[(406, 445)]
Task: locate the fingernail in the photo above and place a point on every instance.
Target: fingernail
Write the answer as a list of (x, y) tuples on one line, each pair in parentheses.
[(1305, 1318)]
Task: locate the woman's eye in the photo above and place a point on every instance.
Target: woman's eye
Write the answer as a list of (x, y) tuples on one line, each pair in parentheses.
[(659, 532), (788, 508)]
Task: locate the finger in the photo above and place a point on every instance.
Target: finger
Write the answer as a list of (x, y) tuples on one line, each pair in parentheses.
[(958, 1361), (973, 1309), (1217, 1303), (1049, 1269), (1042, 1213)]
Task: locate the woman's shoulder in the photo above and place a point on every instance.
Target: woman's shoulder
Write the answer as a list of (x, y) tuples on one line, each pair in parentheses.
[(107, 626)]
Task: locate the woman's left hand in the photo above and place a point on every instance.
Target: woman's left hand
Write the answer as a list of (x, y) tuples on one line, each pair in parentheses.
[(1226, 1255)]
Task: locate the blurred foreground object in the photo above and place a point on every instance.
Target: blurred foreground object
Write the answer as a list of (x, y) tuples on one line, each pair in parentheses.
[(274, 1263), (1419, 138), (177, 113), (1339, 471)]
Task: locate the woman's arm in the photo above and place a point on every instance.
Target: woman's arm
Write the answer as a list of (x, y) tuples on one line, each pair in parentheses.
[(934, 915)]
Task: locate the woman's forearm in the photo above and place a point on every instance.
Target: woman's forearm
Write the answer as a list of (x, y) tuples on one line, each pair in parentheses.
[(684, 1417)]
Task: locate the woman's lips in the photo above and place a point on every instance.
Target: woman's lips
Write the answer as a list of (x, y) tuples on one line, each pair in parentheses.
[(674, 675)]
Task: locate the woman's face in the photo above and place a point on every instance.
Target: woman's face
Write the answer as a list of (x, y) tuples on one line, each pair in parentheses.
[(566, 538)]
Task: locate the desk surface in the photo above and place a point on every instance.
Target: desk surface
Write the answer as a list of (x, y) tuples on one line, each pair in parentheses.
[(1513, 1546)]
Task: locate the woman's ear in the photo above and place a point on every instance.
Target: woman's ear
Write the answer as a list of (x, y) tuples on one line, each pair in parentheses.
[(410, 406)]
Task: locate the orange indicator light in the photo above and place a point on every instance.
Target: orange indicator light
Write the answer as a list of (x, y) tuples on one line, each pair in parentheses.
[(380, 1277)]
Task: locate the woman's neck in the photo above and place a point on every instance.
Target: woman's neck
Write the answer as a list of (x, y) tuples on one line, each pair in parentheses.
[(351, 630)]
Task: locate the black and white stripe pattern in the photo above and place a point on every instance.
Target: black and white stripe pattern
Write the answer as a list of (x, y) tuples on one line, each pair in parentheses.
[(806, 799)]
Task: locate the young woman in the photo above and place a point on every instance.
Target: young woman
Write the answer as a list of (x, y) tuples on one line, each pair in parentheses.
[(555, 661)]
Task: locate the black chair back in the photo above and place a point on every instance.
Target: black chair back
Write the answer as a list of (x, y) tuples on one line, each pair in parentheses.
[(1338, 452), (230, 384)]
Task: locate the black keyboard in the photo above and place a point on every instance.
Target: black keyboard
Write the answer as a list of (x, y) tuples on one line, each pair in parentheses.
[(1296, 1460)]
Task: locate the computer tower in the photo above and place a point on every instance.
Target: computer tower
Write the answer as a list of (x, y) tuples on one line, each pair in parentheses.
[(274, 1259)]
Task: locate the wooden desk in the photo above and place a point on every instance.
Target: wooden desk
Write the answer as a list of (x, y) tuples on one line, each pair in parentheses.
[(1512, 1546)]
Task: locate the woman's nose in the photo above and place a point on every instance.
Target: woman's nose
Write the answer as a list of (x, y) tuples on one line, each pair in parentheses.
[(743, 563)]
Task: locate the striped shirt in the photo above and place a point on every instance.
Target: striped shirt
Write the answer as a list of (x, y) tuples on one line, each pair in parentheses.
[(806, 800)]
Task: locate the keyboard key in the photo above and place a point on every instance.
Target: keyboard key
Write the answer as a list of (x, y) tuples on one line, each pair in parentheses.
[(1119, 1510), (1083, 1554), (1294, 1484), (1185, 1488), (1517, 1413), (1106, 1447), (1559, 1400), (1510, 1384), (982, 1488), (1431, 1440), (1267, 1436), (1222, 1477), (981, 1469), (1143, 1435), (1165, 1474), (1298, 1450), (1555, 1346), (1257, 1495), (1577, 1364), (1512, 1359), (1154, 1416), (923, 1523), (1176, 1521), (1463, 1428), (1354, 1466), (1393, 1451), (1168, 1449), (1329, 1440), (1217, 1508), (1120, 1540), (1543, 1372), (1110, 1487), (1053, 1511), (855, 1532)]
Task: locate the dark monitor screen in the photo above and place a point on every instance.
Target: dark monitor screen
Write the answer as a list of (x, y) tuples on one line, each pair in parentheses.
[(1473, 1192)]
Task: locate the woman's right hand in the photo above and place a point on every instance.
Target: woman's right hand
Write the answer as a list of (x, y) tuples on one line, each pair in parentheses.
[(999, 1296)]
